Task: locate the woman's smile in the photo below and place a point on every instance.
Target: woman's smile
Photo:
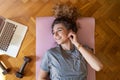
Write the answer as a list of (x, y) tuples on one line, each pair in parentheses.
[(58, 38)]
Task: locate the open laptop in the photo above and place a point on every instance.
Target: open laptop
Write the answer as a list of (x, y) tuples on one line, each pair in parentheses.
[(11, 36)]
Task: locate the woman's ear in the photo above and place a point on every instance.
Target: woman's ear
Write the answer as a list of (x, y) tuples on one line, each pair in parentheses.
[(70, 34)]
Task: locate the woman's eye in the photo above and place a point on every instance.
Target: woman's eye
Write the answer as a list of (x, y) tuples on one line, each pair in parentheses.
[(56, 31), (59, 30)]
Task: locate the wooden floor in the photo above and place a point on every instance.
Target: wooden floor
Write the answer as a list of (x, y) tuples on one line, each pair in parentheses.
[(107, 34)]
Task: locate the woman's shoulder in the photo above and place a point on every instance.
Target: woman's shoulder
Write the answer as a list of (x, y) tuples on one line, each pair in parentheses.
[(54, 50)]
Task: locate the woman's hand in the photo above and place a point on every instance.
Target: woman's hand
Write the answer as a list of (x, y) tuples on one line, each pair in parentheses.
[(73, 37)]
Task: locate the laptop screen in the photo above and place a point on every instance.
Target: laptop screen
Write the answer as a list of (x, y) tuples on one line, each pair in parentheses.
[(1, 23)]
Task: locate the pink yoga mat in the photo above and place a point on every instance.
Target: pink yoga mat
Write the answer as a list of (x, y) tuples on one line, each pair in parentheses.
[(44, 38)]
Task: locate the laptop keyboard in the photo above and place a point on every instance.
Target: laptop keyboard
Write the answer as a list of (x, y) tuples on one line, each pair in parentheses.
[(6, 35)]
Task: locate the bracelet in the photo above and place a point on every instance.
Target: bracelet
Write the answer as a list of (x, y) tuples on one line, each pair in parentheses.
[(78, 47)]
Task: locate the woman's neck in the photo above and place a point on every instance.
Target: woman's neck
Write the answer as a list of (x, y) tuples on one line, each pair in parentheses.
[(67, 46)]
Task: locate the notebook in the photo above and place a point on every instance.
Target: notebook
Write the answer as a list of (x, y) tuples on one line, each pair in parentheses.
[(11, 36)]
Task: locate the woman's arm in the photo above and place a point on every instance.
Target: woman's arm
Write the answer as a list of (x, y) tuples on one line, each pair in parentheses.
[(87, 54), (43, 75), (90, 57)]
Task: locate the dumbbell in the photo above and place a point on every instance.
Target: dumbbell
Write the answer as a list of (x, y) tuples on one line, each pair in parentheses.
[(4, 68), (20, 73)]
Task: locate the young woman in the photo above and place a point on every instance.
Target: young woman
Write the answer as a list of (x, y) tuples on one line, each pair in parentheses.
[(68, 60)]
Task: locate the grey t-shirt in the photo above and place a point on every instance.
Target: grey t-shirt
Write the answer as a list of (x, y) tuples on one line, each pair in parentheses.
[(64, 65)]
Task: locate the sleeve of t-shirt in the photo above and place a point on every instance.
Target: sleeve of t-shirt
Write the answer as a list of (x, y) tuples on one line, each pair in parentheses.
[(45, 62)]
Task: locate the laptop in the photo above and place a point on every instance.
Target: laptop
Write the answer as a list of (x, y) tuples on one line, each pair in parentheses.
[(11, 36)]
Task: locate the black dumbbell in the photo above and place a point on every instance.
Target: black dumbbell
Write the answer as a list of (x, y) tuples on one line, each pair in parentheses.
[(4, 68), (20, 73)]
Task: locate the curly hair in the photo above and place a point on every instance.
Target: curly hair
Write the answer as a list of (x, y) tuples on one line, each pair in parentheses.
[(67, 15), (66, 10), (68, 23)]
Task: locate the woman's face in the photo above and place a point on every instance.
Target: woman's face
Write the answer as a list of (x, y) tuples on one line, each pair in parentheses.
[(60, 33)]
